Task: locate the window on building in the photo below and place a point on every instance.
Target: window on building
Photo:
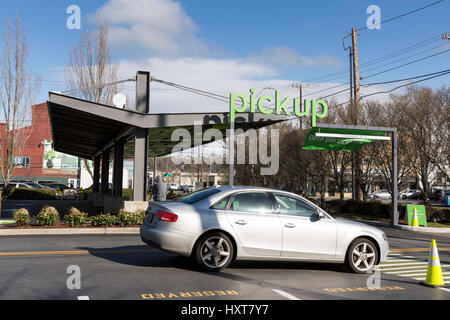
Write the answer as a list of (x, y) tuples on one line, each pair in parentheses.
[(21, 162)]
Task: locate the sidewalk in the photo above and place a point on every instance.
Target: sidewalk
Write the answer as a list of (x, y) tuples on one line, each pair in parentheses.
[(403, 227), (67, 231)]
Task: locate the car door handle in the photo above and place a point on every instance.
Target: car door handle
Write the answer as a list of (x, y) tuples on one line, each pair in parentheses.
[(241, 222), (289, 225)]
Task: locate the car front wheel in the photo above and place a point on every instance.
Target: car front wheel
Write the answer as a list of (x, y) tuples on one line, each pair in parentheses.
[(214, 251), (362, 256)]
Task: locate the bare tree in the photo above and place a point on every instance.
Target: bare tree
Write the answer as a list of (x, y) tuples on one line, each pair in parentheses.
[(91, 68), (17, 91), (440, 155)]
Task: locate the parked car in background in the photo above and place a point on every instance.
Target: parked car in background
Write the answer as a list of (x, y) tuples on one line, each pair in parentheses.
[(55, 186), (217, 226), (417, 195), (382, 194), (407, 194), (186, 188), (17, 185), (438, 194)]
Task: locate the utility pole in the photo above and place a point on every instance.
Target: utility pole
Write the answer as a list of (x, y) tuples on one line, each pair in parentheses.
[(350, 56), (300, 87), (445, 36), (356, 78), (357, 112)]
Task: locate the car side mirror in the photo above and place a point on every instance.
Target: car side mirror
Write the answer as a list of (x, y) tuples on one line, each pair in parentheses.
[(320, 215)]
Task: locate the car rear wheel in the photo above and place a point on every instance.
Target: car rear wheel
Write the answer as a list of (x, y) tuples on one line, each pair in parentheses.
[(214, 251), (362, 256)]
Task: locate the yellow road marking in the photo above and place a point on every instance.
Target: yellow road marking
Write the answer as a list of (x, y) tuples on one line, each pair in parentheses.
[(416, 250), (188, 294), (75, 252), (364, 289)]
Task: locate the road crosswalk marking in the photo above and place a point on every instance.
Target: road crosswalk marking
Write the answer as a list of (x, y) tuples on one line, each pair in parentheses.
[(410, 267)]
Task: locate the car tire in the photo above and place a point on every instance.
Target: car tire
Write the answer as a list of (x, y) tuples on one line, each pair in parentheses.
[(214, 251), (362, 256)]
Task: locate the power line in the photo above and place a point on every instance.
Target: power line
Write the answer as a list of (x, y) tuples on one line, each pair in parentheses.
[(405, 79), (406, 64), (404, 85), (402, 15), (337, 74), (398, 87), (411, 56)]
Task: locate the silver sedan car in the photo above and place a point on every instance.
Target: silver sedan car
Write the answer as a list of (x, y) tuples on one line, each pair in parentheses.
[(218, 226)]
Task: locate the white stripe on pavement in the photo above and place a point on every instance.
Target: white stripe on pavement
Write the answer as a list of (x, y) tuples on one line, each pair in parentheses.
[(285, 294), (83, 298), (384, 266), (401, 269)]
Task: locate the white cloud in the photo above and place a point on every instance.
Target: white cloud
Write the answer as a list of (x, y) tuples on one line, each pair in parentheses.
[(161, 26), (175, 53), (283, 56)]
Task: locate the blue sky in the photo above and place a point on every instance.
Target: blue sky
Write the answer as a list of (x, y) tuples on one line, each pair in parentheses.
[(228, 46)]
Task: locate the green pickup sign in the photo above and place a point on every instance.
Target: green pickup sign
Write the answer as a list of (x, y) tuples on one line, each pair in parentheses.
[(311, 107), (421, 214)]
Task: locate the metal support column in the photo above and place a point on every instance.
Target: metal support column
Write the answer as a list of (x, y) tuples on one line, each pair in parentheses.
[(105, 172), (394, 212), (97, 174), (118, 169), (141, 138)]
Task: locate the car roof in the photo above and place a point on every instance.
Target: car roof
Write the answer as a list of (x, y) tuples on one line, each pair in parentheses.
[(249, 188)]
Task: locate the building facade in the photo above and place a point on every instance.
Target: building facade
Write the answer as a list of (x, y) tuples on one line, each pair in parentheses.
[(37, 161)]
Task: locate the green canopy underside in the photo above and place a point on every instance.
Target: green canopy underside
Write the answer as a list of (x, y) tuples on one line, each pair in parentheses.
[(312, 142)]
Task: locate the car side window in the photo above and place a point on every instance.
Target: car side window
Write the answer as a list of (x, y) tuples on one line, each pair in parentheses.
[(293, 206), (222, 204), (253, 202)]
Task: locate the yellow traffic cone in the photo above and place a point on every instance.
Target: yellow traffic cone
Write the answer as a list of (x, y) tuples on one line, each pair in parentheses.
[(434, 272), (415, 219)]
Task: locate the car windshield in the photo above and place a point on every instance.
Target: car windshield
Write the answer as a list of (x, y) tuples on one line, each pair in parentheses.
[(197, 196)]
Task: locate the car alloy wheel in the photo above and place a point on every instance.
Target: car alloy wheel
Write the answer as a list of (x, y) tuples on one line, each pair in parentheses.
[(362, 256), (214, 252)]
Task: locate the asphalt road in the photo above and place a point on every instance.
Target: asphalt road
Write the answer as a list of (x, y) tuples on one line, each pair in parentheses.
[(122, 267)]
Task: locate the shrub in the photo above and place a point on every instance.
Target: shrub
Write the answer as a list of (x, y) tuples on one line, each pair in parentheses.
[(30, 194), (76, 218), (441, 215), (22, 217), (48, 216), (104, 220), (73, 210), (130, 218)]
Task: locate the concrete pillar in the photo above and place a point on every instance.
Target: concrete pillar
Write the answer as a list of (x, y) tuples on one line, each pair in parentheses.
[(97, 174), (105, 172), (141, 138), (118, 169)]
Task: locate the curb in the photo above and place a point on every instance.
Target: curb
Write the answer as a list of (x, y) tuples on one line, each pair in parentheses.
[(83, 231), (408, 228)]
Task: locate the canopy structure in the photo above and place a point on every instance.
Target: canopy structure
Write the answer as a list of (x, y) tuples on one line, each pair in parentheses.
[(351, 138), (92, 131)]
